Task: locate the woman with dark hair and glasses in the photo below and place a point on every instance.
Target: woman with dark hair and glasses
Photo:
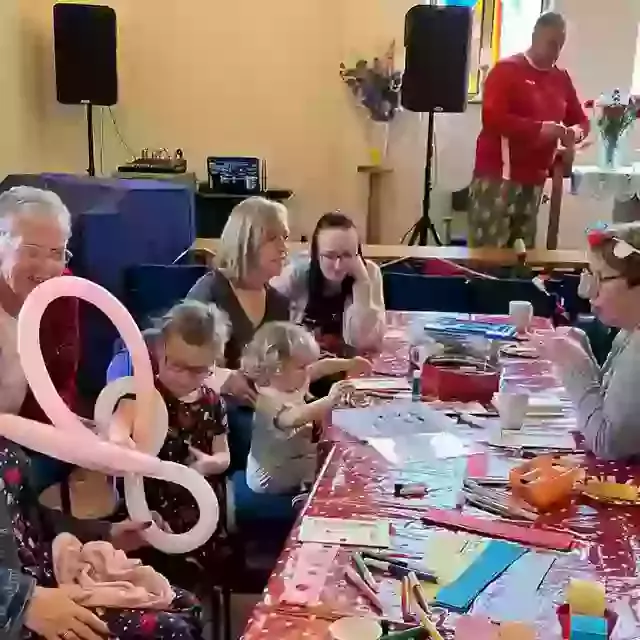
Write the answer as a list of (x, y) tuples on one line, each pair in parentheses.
[(335, 292)]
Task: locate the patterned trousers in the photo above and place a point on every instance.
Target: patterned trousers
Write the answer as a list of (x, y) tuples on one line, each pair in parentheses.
[(501, 211)]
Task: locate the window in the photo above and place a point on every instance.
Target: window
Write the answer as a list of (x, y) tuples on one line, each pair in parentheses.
[(635, 80), (500, 28)]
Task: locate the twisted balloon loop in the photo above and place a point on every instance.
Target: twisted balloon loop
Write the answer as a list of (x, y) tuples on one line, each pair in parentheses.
[(69, 440)]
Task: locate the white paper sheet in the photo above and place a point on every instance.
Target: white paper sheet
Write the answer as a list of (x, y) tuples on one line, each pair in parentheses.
[(381, 384), (421, 447), (362, 533), (527, 439), (399, 417)]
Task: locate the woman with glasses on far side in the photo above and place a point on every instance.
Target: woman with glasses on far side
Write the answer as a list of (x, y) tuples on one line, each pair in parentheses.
[(335, 292), (606, 398), (35, 227)]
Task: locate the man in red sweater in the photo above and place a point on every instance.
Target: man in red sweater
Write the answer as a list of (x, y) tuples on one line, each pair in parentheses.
[(531, 118)]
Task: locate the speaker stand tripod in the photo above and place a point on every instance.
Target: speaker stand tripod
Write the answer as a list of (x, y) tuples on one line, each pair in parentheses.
[(425, 225), (91, 170)]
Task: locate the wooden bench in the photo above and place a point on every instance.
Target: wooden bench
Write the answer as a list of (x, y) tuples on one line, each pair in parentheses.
[(567, 259)]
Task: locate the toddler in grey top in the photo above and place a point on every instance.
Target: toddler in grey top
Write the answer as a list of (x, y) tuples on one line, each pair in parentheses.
[(282, 359)]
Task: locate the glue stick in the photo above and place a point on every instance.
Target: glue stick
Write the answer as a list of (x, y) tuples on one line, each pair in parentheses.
[(416, 390)]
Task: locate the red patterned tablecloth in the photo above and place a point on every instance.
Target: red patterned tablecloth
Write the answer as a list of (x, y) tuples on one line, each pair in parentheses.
[(356, 481)]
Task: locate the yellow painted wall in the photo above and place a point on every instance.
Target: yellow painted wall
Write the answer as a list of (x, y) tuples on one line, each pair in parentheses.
[(261, 77), (246, 77), (11, 112)]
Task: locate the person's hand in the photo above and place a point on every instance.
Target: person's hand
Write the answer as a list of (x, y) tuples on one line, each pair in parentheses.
[(569, 138), (552, 131), (565, 351), (238, 386), (358, 269), (198, 459), (52, 615), (339, 390), (122, 440), (359, 366), (577, 133), (128, 535)]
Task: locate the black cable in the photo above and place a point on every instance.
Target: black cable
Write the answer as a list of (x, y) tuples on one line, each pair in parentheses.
[(119, 134)]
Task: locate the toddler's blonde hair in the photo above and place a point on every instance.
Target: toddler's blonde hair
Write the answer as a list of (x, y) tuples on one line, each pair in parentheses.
[(272, 345)]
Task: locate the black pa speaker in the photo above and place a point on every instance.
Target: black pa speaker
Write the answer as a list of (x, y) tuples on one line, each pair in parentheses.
[(437, 44), (85, 38)]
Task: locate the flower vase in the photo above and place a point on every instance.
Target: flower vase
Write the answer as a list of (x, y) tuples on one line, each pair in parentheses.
[(613, 150), (377, 140)]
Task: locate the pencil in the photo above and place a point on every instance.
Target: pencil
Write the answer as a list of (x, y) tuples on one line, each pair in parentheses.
[(418, 593), (423, 607), (354, 578), (364, 572), (404, 599)]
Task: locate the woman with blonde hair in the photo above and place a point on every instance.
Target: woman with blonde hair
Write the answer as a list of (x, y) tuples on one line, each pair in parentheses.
[(252, 251), (606, 398)]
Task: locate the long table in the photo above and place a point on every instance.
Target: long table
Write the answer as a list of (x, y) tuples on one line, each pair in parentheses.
[(539, 258), (357, 482)]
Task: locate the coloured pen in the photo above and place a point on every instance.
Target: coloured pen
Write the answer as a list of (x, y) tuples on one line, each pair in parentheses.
[(399, 570)]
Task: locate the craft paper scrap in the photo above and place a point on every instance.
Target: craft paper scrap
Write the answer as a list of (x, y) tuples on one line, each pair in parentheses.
[(612, 490), (399, 417), (492, 563), (520, 584), (532, 440), (312, 563), (380, 384), (586, 598), (476, 628), (364, 533), (516, 631), (547, 406), (447, 556)]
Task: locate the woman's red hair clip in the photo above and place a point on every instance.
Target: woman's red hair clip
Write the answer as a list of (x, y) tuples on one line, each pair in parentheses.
[(595, 237)]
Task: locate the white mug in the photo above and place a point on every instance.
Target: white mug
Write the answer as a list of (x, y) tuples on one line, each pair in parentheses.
[(512, 409), (521, 314)]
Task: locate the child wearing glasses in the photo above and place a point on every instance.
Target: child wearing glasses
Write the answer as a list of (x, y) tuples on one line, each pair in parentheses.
[(184, 349), (281, 360)]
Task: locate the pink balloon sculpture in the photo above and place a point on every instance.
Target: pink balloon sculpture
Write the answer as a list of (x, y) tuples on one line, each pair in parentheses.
[(68, 439)]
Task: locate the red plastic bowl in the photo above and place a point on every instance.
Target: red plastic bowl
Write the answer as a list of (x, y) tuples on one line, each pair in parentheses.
[(564, 618), (459, 379)]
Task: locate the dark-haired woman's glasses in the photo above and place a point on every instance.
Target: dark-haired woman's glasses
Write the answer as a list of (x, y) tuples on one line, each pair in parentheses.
[(332, 256)]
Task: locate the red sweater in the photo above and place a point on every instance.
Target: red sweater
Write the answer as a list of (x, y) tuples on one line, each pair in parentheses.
[(60, 343), (517, 98)]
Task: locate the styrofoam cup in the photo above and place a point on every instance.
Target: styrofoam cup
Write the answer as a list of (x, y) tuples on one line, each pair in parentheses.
[(521, 314), (512, 409)]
